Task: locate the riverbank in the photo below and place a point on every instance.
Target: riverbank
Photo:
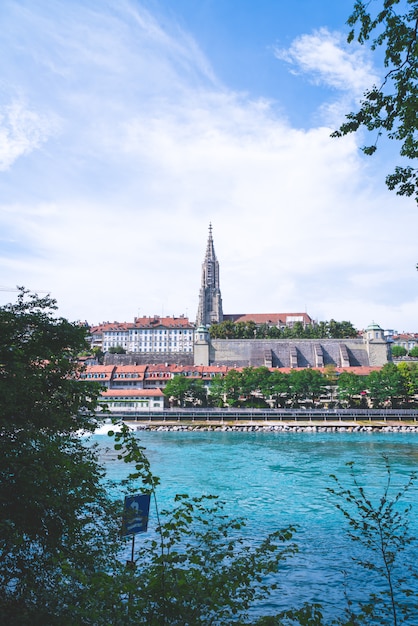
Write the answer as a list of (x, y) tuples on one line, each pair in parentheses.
[(289, 427)]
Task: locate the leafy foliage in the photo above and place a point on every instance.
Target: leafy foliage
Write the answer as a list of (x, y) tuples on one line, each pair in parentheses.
[(52, 498), (388, 385), (391, 107), (350, 389), (305, 385), (391, 386), (207, 573), (186, 391), (398, 351), (60, 547), (117, 350), (200, 567), (250, 330), (60, 544), (382, 528)]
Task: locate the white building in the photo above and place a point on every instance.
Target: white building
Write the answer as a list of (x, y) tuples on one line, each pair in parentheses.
[(132, 400), (146, 334)]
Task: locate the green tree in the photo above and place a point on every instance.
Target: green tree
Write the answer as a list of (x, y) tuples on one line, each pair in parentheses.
[(58, 528), (297, 330), (208, 573), (263, 331), (413, 377), (98, 354), (117, 350), (305, 384), (200, 568), (233, 387), (240, 330), (398, 351), (388, 386), (414, 352), (186, 391), (409, 372), (198, 392), (349, 388), (60, 544), (223, 330), (176, 389), (216, 391), (390, 108), (322, 331), (341, 330), (250, 331), (253, 384), (278, 388), (274, 332)]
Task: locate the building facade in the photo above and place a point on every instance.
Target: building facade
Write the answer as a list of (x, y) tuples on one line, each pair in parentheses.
[(405, 340), (162, 341), (146, 335)]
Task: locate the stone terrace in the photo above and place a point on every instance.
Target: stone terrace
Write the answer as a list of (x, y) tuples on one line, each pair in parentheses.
[(284, 353)]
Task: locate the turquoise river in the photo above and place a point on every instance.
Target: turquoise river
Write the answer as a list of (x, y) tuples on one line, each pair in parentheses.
[(274, 479)]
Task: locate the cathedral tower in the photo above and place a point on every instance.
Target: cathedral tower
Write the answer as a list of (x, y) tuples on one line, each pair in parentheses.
[(210, 300)]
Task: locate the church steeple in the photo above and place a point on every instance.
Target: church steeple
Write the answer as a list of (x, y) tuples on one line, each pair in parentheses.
[(210, 300)]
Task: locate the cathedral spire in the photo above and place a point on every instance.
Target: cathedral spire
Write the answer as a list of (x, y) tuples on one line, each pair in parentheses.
[(210, 300)]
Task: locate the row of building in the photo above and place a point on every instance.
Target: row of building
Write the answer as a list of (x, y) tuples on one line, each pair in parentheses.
[(177, 340), (163, 335), (158, 348), (140, 388), (172, 335)]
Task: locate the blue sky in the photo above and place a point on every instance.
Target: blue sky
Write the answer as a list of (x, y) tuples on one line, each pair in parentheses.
[(127, 126)]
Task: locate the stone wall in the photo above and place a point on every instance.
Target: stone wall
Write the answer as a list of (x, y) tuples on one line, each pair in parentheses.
[(302, 353), (378, 352)]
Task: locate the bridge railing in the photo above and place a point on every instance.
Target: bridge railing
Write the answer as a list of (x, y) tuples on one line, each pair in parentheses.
[(269, 415)]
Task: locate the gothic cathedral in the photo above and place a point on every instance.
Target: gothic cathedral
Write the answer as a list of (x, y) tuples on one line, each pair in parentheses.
[(210, 300)]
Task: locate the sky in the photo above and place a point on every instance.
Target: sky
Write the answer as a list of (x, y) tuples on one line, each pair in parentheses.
[(128, 126)]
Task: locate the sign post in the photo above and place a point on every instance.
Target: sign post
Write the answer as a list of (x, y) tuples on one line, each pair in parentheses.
[(135, 518)]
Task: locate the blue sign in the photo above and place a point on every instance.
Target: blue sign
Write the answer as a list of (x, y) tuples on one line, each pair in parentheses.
[(135, 514)]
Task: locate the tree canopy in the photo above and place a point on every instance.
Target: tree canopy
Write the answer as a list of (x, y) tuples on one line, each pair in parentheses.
[(261, 387), (61, 553), (52, 497), (390, 108), (250, 330)]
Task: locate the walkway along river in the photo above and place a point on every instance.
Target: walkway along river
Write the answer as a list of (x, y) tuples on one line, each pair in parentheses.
[(268, 417)]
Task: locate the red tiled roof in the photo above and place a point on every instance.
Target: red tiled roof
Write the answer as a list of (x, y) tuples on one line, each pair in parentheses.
[(266, 318), (167, 322), (139, 370), (144, 322), (363, 370), (132, 393), (149, 372), (161, 367), (107, 370)]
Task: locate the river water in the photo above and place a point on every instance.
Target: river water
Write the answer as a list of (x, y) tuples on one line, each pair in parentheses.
[(274, 479)]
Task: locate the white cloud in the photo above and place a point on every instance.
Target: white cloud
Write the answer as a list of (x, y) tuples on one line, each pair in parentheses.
[(22, 130), (327, 59), (112, 214)]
